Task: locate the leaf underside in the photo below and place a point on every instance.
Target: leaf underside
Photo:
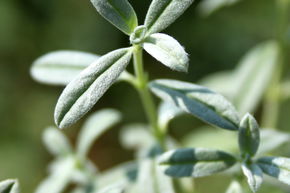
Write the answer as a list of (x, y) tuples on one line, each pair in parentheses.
[(199, 101), (87, 88)]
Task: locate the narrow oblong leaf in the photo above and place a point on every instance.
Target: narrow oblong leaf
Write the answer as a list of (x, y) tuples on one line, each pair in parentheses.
[(85, 90), (195, 162), (277, 167), (207, 7), (96, 125), (234, 187), (56, 142), (162, 13), (199, 101), (249, 135), (60, 67), (166, 112), (254, 175), (9, 186), (60, 177), (167, 50), (271, 140), (252, 77), (119, 12)]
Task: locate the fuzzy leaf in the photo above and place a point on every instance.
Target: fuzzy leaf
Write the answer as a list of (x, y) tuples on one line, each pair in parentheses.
[(163, 13), (59, 178), (9, 186), (151, 179), (249, 135), (136, 137), (207, 7), (115, 188), (60, 67), (167, 50), (235, 187), (85, 90), (195, 162), (277, 167), (254, 175), (124, 173), (271, 140), (199, 101), (253, 75), (56, 142), (167, 111), (119, 12), (95, 126)]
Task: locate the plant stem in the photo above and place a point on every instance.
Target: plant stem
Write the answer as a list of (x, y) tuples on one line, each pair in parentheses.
[(273, 96), (145, 95)]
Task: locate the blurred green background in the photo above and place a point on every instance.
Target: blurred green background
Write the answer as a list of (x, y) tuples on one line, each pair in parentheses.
[(31, 28)]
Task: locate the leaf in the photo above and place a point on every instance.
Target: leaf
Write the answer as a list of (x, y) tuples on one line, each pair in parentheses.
[(254, 175), (95, 126), (115, 188), (151, 178), (167, 111), (60, 67), (195, 162), (124, 173), (56, 142), (235, 187), (207, 7), (59, 178), (167, 50), (119, 12), (253, 76), (208, 137), (249, 135), (277, 167), (163, 13), (136, 137), (271, 140), (9, 186), (199, 101), (85, 90)]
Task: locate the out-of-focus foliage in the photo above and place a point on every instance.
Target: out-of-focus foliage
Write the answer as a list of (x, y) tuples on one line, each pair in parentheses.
[(30, 28)]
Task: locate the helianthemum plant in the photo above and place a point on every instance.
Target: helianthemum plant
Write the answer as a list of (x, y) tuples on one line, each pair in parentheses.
[(88, 76)]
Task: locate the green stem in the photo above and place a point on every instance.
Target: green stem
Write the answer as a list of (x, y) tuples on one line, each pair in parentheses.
[(145, 95), (272, 103)]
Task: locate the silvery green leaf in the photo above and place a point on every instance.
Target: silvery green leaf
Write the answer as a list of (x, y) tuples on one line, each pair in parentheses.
[(119, 12), (271, 140), (221, 82), (199, 101), (125, 173), (195, 162), (249, 135), (162, 13), (136, 136), (60, 67), (115, 188), (9, 186), (88, 87), (56, 142), (95, 126), (151, 179), (253, 75), (254, 175), (167, 111), (277, 167), (206, 7), (167, 50), (208, 137), (59, 178), (235, 187)]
